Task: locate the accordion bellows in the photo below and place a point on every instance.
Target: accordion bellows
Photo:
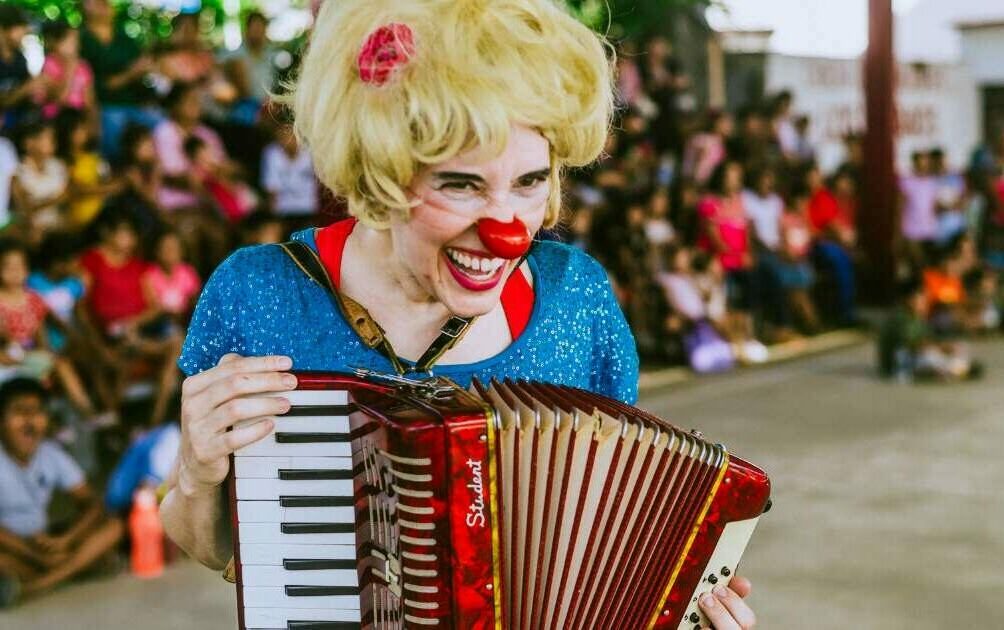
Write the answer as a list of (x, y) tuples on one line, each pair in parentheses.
[(512, 505)]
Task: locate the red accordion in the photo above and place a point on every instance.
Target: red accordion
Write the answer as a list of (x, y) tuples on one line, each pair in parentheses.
[(384, 502)]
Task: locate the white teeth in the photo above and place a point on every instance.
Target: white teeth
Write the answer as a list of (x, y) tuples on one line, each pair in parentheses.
[(475, 264)]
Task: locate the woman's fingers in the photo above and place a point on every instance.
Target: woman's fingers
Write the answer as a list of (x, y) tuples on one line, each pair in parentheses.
[(244, 435), (741, 586), (230, 365), (233, 411), (238, 385), (726, 610)]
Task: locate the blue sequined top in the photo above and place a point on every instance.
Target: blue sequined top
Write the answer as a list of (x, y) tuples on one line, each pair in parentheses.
[(258, 302)]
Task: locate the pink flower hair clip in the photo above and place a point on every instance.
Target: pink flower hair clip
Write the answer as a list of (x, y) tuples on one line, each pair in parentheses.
[(386, 49)]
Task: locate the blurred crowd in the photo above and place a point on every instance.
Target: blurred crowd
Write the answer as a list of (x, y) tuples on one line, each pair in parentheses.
[(127, 172)]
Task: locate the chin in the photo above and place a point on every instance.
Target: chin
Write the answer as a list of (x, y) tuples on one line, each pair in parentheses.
[(465, 295)]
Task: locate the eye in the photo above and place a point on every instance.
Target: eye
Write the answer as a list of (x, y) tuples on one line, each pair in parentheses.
[(459, 185), (531, 181)]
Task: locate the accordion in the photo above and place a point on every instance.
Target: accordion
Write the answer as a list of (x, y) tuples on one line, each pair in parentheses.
[(385, 502)]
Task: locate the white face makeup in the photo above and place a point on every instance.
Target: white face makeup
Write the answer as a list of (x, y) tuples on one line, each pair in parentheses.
[(438, 243)]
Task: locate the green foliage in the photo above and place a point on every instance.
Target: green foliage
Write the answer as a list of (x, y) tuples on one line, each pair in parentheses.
[(632, 19)]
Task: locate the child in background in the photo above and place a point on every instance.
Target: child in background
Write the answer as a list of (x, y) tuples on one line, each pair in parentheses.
[(261, 228), (287, 176), (908, 348), (88, 172), (141, 180), (735, 326), (794, 271), (123, 323), (57, 282), (232, 197), (658, 229), (40, 183), (70, 79), (23, 319), (34, 559), (8, 166), (170, 282)]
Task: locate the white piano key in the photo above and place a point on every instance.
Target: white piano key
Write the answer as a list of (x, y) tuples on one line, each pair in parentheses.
[(269, 467), (306, 424), (278, 576), (266, 618), (272, 533), (272, 489), (275, 596), (272, 512), (273, 553), (268, 447), (315, 397)]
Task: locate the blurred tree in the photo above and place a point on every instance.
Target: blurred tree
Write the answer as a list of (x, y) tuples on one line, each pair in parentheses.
[(633, 19)]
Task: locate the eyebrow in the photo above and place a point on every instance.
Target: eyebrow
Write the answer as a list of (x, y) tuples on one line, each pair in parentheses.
[(472, 177)]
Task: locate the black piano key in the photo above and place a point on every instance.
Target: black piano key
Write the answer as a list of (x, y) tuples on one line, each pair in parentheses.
[(311, 438), (323, 625), (314, 475), (320, 410), (318, 565), (318, 528), (320, 591), (286, 501)]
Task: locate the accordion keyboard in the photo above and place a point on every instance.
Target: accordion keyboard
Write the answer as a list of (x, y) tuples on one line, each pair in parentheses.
[(296, 520)]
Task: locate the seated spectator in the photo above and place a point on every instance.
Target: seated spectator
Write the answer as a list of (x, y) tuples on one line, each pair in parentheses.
[(8, 166), (180, 195), (23, 319), (986, 301), (40, 183), (35, 554), (16, 83), (262, 228), (125, 324), (148, 460), (725, 234), (89, 183), (919, 215), (232, 198), (70, 81), (658, 229), (141, 179), (951, 197), (251, 69), (287, 176), (170, 282), (701, 310), (735, 326), (120, 67), (705, 151), (908, 348), (835, 240), (945, 291)]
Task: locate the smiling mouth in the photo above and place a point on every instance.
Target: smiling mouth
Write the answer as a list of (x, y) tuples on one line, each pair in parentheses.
[(472, 271)]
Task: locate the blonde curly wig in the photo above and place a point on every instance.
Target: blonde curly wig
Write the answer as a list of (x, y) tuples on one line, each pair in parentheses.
[(478, 67)]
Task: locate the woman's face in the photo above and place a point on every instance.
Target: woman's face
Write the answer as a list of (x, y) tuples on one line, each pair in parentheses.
[(13, 270), (438, 242), (123, 239)]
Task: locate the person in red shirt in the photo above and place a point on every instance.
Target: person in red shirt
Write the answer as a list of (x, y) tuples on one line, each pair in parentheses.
[(835, 238), (129, 326)]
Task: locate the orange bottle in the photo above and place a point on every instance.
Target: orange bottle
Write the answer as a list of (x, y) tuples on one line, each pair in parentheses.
[(147, 534)]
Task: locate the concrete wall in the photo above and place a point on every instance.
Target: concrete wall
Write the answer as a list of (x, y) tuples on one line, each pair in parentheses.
[(983, 52), (938, 105)]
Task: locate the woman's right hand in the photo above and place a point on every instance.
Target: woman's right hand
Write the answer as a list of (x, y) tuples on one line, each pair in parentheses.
[(214, 401)]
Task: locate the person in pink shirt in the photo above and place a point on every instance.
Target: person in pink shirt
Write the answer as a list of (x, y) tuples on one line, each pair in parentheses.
[(706, 150), (170, 282), (68, 79)]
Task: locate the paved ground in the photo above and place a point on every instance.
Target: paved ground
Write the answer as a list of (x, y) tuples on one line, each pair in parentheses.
[(887, 506)]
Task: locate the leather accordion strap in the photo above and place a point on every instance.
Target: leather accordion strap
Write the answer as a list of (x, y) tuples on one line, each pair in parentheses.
[(365, 326)]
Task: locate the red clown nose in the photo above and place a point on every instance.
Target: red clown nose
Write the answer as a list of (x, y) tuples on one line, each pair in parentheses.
[(505, 240)]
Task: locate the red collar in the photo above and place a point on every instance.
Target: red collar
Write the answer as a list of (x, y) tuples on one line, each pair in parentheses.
[(517, 294)]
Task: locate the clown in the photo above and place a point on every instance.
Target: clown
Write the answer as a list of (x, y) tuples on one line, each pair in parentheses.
[(445, 125)]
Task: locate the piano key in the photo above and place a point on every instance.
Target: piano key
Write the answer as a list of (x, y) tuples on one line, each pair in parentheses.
[(301, 397), (275, 554), (276, 596), (256, 618), (294, 437), (269, 446), (274, 512), (316, 564), (302, 590), (272, 533), (315, 501), (278, 576), (272, 489), (320, 411), (269, 467), (322, 625), (310, 424), (317, 528), (308, 474)]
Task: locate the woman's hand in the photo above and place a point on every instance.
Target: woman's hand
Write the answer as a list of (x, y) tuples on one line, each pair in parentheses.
[(725, 607), (213, 402)]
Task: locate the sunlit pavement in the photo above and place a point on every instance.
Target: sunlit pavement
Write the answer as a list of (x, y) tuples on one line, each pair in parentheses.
[(887, 506)]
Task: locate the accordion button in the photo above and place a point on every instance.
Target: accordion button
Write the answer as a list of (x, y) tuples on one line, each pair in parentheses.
[(694, 617), (726, 572), (713, 578)]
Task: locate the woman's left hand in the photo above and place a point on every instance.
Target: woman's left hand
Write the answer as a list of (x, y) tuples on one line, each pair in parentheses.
[(725, 607)]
